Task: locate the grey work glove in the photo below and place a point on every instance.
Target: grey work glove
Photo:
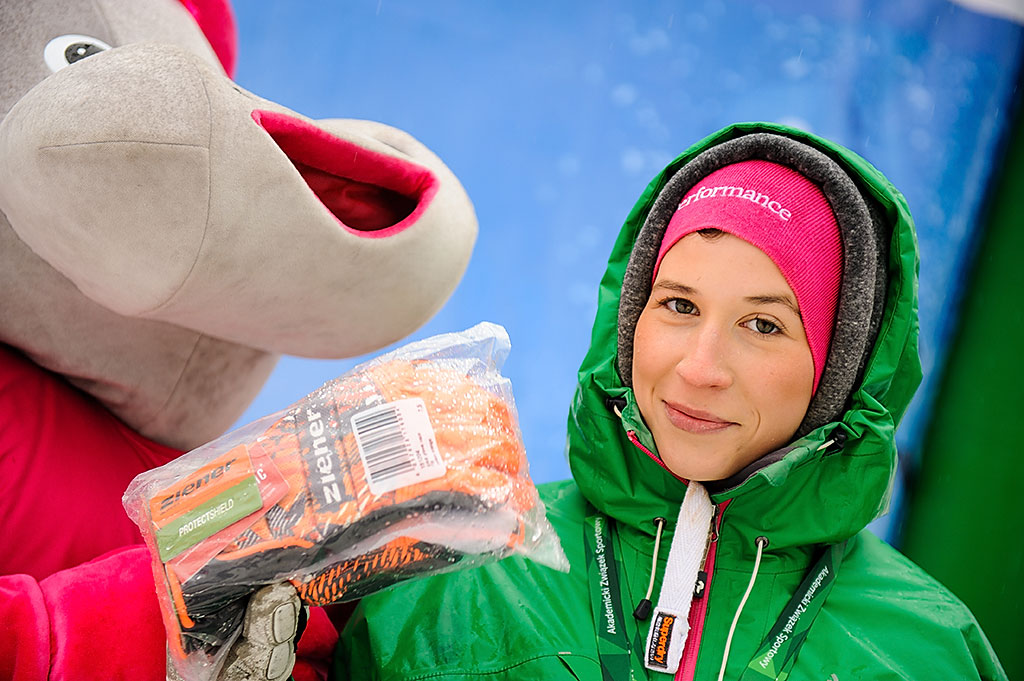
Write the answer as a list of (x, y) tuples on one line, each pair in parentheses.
[(266, 649)]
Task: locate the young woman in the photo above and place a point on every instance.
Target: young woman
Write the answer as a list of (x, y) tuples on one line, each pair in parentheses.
[(731, 436)]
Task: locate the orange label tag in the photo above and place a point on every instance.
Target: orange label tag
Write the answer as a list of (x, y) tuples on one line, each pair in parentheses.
[(212, 479)]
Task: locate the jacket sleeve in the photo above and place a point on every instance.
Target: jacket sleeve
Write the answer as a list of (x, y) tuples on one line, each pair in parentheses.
[(985, 659), (99, 620)]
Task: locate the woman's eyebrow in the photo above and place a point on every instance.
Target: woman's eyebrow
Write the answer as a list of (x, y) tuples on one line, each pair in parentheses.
[(675, 286), (775, 299)]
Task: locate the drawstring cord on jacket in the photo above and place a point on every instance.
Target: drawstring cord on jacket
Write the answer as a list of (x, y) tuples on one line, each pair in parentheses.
[(761, 542), (643, 608), (670, 627), (669, 630)]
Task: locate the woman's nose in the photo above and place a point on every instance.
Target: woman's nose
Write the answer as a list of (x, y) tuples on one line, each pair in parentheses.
[(704, 362)]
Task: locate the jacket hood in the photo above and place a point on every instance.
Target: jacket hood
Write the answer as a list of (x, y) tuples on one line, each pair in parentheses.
[(823, 487)]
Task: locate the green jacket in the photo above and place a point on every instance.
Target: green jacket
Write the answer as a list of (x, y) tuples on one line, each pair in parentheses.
[(883, 619)]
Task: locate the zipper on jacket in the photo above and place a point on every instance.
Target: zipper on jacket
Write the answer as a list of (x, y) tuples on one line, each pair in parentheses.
[(699, 609), (631, 434)]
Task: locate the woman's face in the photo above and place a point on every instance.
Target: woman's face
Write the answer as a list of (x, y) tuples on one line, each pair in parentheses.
[(722, 371)]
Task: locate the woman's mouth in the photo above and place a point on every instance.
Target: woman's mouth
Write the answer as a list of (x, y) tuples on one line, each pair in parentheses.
[(694, 420)]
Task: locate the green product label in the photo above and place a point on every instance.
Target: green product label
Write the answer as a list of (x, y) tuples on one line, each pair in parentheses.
[(208, 519), (777, 654)]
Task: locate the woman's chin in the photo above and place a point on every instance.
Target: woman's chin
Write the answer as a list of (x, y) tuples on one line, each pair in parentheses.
[(700, 468)]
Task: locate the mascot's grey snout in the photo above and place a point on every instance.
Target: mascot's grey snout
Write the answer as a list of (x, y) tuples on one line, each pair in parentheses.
[(148, 201)]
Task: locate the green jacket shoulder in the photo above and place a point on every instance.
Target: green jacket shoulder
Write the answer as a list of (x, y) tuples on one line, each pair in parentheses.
[(508, 620), (885, 619), (891, 615)]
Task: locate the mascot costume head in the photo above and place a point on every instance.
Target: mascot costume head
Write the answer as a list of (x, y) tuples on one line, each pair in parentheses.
[(165, 235)]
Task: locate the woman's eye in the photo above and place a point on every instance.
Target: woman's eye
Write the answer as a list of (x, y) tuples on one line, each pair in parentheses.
[(681, 305), (763, 326)]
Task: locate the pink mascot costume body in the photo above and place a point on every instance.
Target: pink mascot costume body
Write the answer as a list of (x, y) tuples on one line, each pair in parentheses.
[(164, 236)]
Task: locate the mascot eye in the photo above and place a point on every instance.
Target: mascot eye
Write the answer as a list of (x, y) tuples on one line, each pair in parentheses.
[(67, 49)]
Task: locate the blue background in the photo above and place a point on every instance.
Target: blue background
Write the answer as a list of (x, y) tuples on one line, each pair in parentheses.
[(556, 115)]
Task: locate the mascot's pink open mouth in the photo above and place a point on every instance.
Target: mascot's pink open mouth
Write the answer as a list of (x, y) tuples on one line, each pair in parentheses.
[(371, 194)]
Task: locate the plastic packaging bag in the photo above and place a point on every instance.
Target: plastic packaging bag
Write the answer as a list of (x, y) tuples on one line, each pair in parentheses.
[(410, 464)]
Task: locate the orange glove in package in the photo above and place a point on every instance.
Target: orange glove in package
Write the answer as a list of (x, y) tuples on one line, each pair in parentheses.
[(410, 464)]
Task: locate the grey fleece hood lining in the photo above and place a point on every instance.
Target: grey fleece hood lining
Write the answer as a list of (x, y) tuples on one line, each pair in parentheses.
[(862, 287)]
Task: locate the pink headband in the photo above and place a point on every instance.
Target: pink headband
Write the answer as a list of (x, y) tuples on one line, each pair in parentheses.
[(785, 215)]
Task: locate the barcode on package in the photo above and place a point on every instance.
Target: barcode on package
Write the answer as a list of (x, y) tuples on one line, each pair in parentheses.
[(397, 445)]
